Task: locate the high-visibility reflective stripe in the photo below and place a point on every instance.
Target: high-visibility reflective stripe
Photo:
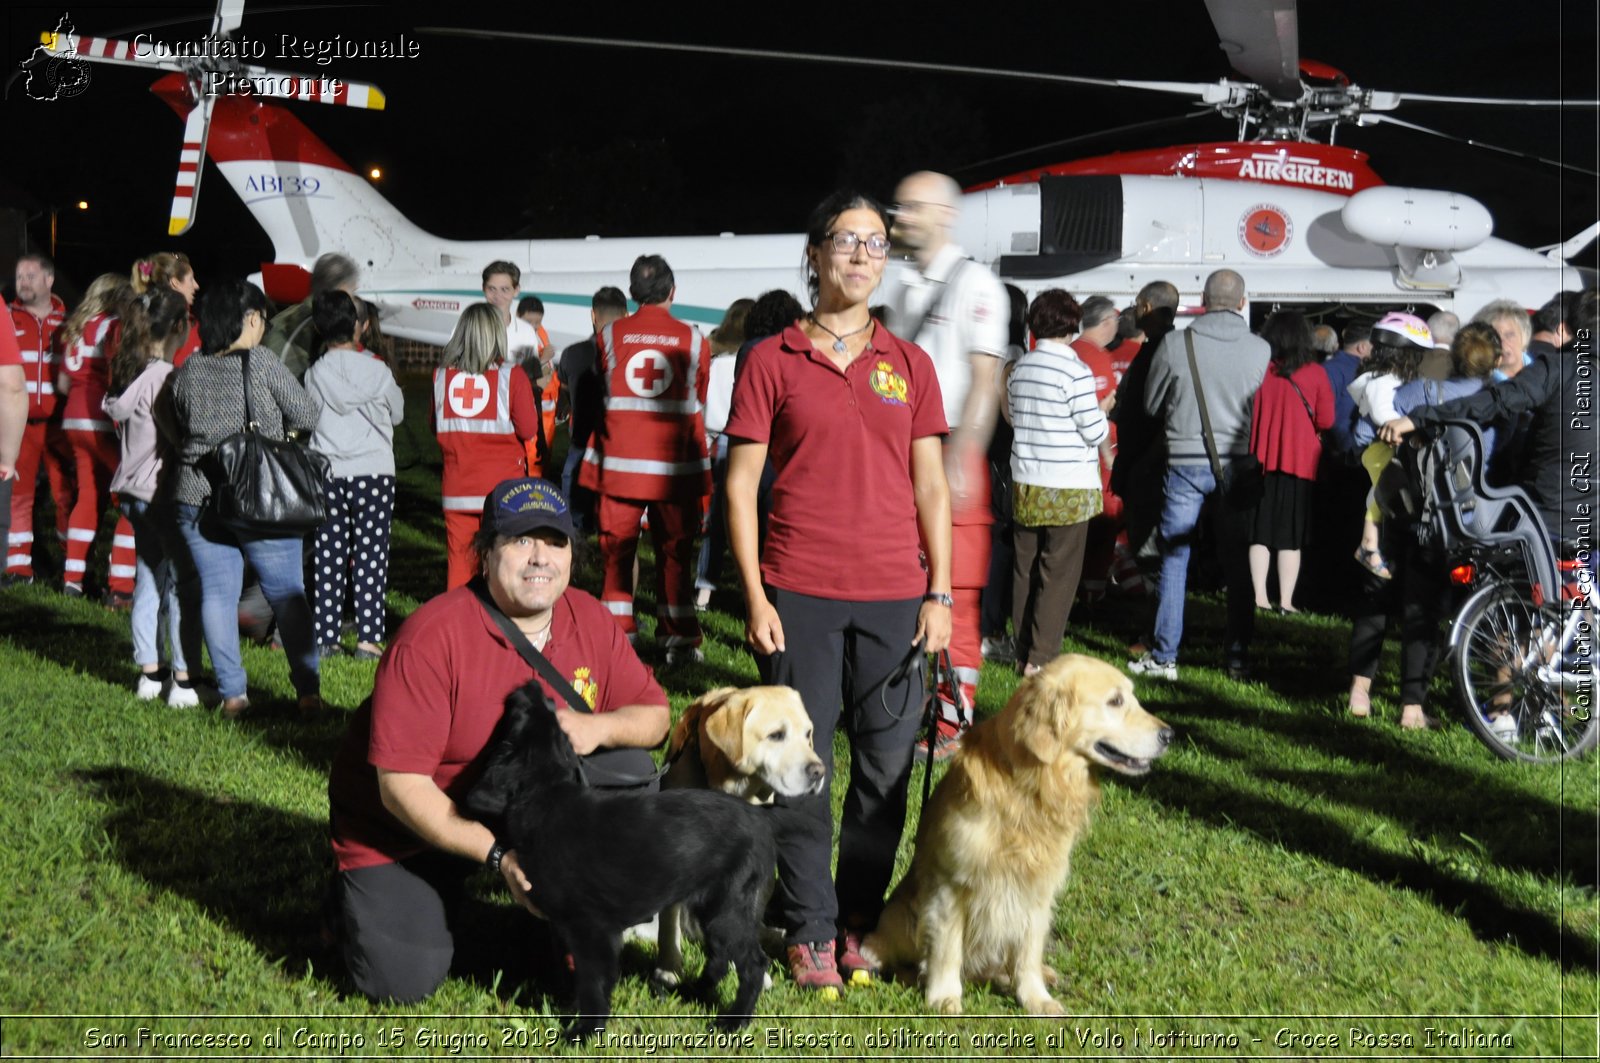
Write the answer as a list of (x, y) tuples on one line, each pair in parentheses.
[(610, 350), (655, 468), (30, 356), (74, 565), (123, 570), (469, 503), (676, 612), (122, 540), (41, 388), (78, 424), (619, 608), (17, 538), (14, 560), (632, 405), (457, 424), (80, 535)]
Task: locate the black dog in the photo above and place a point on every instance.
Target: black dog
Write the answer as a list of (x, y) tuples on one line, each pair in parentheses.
[(601, 862)]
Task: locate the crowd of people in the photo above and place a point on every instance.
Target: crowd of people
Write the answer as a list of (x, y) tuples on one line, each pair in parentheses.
[(1005, 458)]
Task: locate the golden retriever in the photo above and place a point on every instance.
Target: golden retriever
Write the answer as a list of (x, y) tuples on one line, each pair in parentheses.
[(996, 838), (750, 743)]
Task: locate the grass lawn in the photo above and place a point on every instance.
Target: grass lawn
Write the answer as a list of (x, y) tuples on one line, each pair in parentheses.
[(1287, 881)]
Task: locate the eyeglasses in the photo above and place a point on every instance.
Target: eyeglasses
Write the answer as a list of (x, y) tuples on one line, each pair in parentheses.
[(845, 243)]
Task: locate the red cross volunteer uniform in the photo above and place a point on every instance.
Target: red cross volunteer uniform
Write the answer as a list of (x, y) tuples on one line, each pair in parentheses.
[(43, 440), (649, 454), (483, 422), (95, 451), (954, 310)]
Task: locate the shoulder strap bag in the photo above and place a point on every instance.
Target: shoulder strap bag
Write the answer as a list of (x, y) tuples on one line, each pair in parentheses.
[(1241, 481), (604, 769), (265, 486)]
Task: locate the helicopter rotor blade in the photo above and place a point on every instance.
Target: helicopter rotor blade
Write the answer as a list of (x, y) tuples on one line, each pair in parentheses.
[(1211, 92), (1261, 39), (1372, 119), (1132, 127), (1381, 101)]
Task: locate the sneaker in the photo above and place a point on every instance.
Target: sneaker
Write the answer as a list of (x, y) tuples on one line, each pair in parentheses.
[(679, 655), (1147, 666), (1503, 726), (234, 708), (1238, 670), (11, 579), (946, 741), (118, 602), (181, 697), (853, 966), (812, 966), (1000, 648), (148, 688), (72, 590), (325, 650)]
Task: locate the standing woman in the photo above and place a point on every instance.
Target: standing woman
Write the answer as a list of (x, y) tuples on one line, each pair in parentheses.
[(852, 419), (1293, 407), (361, 404), (207, 407), (156, 323), (487, 420), (171, 271), (89, 340), (1056, 453)]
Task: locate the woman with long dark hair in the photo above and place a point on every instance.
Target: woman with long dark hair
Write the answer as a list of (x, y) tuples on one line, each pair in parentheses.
[(1293, 407), (208, 406), (852, 419)]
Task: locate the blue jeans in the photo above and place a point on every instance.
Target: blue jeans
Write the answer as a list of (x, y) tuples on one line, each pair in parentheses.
[(219, 555), (163, 581), (714, 546), (582, 515), (1185, 491)]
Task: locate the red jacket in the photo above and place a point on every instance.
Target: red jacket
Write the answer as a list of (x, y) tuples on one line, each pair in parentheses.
[(651, 443), (1282, 434), (87, 367), (483, 421), (36, 340)]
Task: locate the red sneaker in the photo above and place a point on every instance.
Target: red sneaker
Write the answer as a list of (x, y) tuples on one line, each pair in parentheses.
[(812, 967), (853, 966), (946, 740)]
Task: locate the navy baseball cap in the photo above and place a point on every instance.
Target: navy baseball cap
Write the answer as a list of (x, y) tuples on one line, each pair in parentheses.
[(516, 507)]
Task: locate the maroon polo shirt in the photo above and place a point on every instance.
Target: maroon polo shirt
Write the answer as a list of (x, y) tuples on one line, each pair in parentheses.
[(844, 518), (441, 689)]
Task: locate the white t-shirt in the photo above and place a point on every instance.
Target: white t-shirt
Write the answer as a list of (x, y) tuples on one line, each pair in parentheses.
[(522, 341), (973, 316)]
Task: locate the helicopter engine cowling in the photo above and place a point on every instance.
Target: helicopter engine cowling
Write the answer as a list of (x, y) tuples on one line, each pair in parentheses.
[(1419, 218)]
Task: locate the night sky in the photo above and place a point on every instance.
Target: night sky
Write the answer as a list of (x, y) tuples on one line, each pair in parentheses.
[(499, 139)]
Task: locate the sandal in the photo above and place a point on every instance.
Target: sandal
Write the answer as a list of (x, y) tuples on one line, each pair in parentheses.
[(1373, 562)]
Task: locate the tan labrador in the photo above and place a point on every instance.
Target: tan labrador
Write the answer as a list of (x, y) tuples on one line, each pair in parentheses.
[(752, 743), (996, 839)]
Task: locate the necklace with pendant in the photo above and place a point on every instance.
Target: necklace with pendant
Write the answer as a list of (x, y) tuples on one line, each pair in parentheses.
[(838, 339)]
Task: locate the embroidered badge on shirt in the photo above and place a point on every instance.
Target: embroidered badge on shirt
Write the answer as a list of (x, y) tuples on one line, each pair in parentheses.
[(586, 687), (888, 385)]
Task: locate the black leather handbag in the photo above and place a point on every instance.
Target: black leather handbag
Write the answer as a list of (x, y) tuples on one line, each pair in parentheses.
[(267, 486)]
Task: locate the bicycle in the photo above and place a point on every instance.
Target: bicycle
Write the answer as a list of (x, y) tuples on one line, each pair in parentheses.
[(1521, 646)]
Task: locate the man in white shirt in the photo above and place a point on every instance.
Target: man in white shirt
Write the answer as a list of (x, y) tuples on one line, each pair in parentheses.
[(501, 285), (956, 310)]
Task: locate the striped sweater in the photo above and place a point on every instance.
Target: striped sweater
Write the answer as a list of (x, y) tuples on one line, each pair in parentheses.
[(1056, 419)]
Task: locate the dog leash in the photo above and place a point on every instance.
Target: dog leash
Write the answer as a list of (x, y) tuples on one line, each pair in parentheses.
[(548, 672)]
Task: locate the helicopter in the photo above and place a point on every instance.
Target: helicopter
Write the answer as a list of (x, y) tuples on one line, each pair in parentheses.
[(1306, 220)]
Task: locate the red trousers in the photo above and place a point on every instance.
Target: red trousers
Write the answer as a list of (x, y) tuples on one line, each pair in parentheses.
[(42, 442), (460, 525), (672, 530), (94, 459), (969, 571)]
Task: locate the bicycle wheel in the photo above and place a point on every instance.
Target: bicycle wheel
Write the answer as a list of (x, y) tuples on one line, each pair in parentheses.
[(1504, 641)]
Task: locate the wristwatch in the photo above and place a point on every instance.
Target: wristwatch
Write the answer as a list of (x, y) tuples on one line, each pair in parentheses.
[(497, 853), (940, 598)]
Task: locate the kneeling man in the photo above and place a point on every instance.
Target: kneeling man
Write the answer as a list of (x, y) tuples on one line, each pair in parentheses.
[(403, 847)]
